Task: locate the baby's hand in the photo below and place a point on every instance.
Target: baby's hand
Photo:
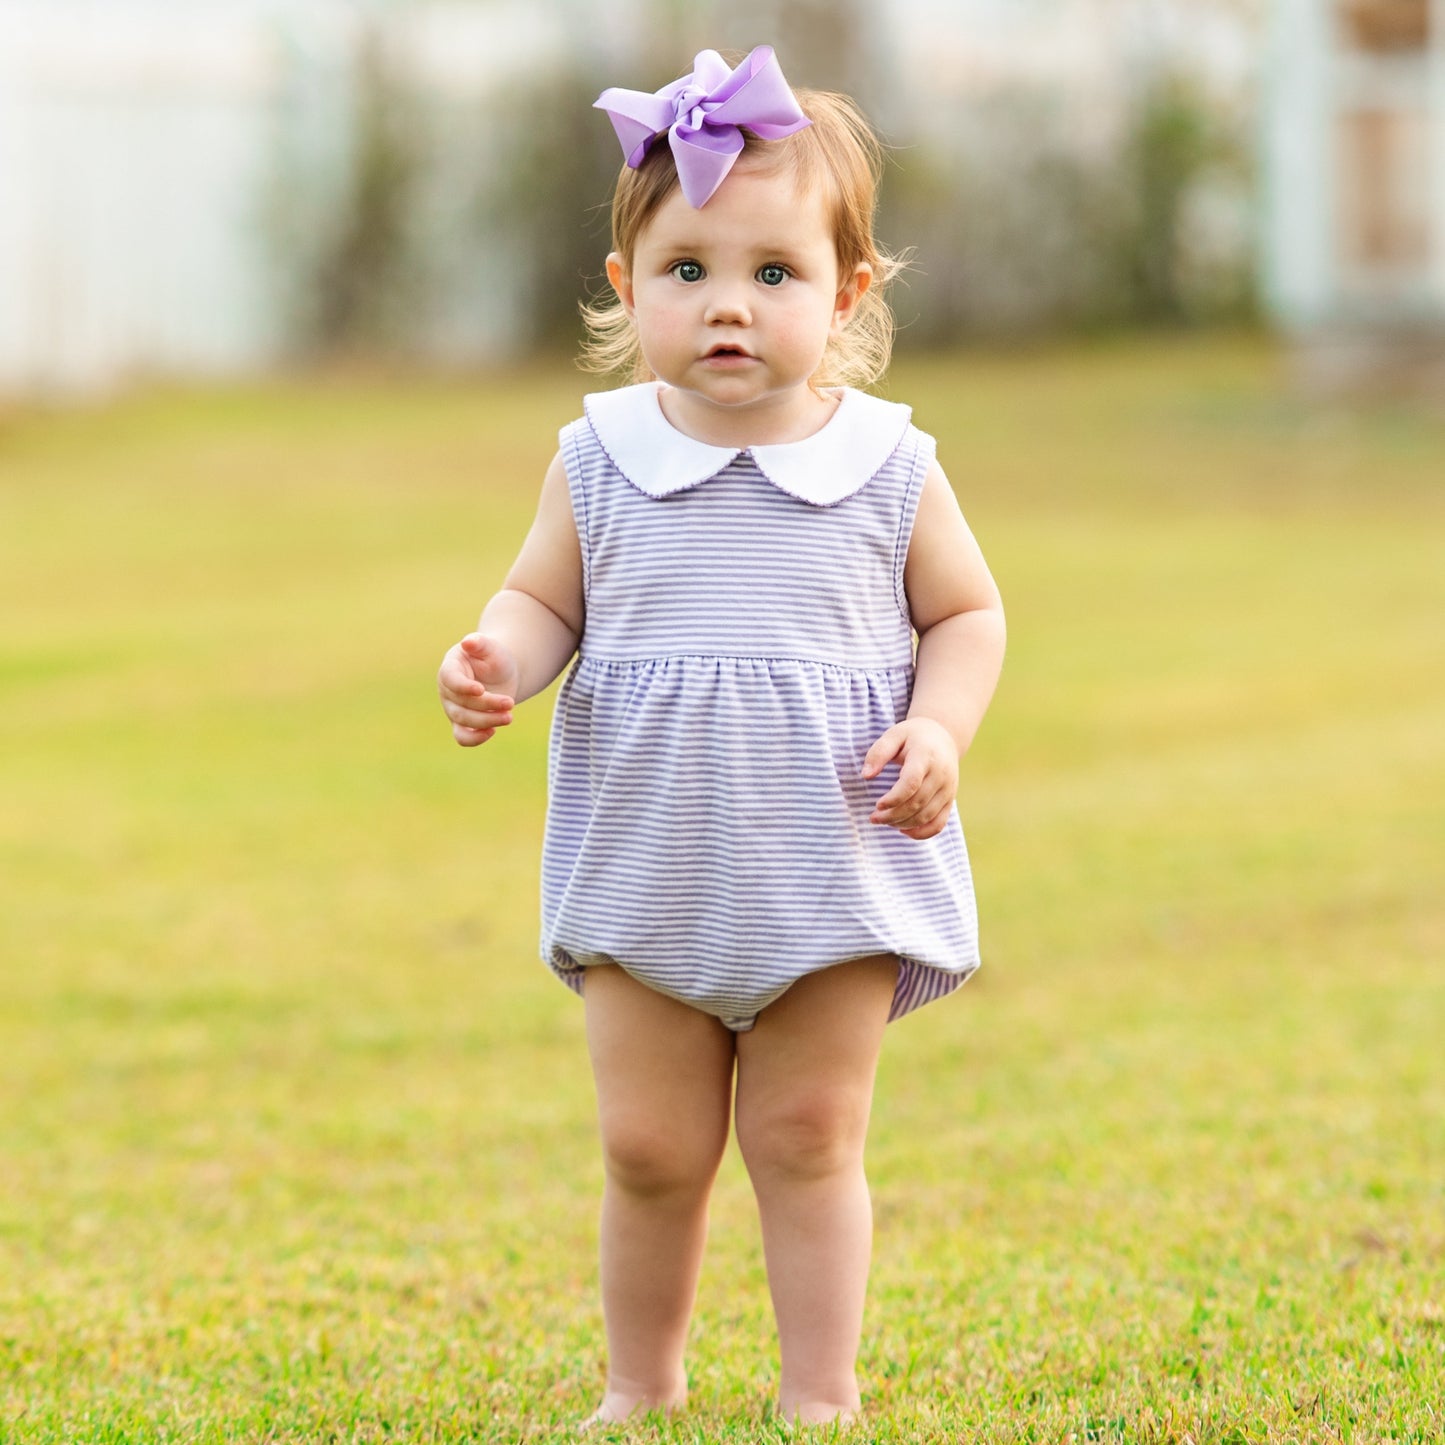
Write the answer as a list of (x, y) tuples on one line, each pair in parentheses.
[(919, 802), (477, 680)]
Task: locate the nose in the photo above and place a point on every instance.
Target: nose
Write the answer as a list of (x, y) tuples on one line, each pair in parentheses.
[(727, 305)]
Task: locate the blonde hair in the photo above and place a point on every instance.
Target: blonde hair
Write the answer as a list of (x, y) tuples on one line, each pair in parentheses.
[(839, 152)]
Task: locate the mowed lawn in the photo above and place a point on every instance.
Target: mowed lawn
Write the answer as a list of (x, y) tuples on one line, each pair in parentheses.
[(296, 1135)]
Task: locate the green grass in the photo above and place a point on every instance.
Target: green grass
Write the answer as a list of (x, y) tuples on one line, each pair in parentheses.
[(295, 1130)]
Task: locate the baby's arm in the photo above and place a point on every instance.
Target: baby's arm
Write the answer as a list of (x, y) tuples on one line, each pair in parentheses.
[(527, 632), (958, 615)]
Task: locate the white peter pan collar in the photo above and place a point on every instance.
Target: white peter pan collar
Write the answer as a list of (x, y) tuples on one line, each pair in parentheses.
[(822, 469)]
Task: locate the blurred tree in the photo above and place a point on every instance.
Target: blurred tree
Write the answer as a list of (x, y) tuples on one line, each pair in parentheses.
[(822, 43), (1176, 143), (554, 191), (366, 281), (1019, 230), (354, 271)]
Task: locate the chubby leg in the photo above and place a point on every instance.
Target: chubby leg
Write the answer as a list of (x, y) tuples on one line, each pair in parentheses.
[(804, 1091), (664, 1082)]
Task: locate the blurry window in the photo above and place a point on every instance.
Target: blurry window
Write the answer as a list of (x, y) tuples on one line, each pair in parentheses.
[(1386, 25), (1384, 202)]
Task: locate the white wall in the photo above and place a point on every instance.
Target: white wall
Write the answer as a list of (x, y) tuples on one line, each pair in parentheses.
[(143, 223), (1437, 176), (131, 160), (1297, 215)]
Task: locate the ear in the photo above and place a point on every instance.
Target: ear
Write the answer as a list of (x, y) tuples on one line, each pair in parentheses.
[(850, 293), (621, 282)]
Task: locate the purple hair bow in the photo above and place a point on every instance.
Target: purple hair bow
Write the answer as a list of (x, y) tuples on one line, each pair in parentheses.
[(701, 114)]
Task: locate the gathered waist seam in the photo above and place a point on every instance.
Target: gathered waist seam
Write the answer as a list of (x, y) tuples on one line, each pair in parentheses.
[(653, 658)]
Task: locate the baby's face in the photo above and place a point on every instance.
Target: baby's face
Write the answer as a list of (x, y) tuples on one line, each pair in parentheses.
[(734, 304)]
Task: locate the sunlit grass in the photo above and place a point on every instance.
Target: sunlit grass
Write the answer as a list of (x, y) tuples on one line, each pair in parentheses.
[(295, 1131)]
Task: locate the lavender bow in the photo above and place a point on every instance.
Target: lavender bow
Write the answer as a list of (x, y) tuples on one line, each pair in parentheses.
[(701, 114)]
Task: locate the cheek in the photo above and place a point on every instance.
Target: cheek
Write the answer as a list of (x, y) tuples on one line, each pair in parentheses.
[(810, 324), (662, 333), (657, 322)]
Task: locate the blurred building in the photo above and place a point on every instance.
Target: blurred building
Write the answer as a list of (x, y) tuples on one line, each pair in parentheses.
[(1354, 197)]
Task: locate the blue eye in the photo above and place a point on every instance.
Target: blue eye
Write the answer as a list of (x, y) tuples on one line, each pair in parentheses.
[(773, 275), (687, 271)]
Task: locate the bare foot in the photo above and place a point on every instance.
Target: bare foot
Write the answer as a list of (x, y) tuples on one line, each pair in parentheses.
[(618, 1407), (817, 1412)]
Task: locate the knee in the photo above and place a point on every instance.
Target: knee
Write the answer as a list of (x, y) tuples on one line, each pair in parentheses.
[(652, 1162), (813, 1136)]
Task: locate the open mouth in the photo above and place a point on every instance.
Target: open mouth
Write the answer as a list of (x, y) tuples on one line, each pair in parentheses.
[(726, 351)]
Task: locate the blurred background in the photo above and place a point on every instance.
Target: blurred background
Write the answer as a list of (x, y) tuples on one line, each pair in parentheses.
[(234, 185)]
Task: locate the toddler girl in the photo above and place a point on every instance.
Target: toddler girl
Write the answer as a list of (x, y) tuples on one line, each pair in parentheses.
[(752, 859)]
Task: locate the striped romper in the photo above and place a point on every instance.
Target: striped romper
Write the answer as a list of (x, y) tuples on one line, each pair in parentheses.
[(746, 641)]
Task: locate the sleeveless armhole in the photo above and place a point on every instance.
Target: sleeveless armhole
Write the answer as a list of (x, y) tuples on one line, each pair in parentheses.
[(924, 448), (569, 439)]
